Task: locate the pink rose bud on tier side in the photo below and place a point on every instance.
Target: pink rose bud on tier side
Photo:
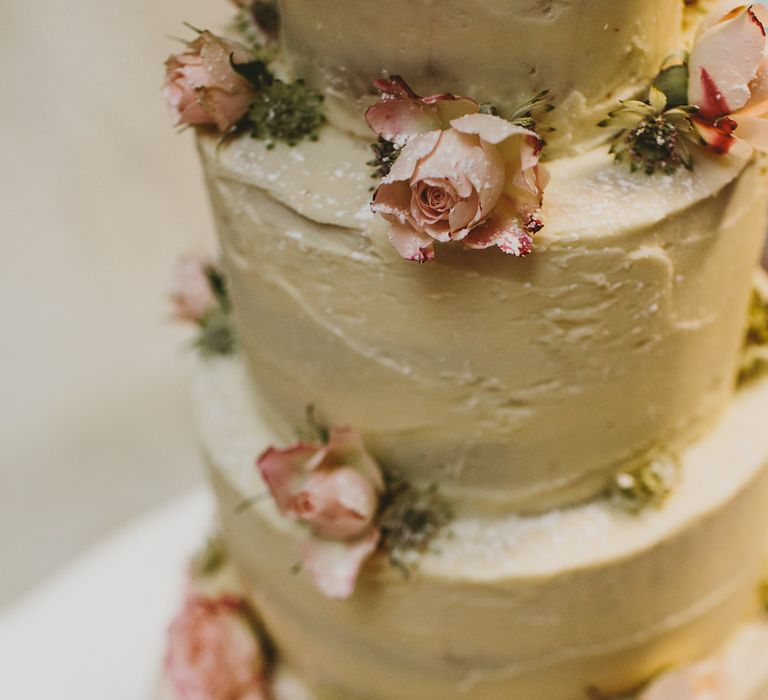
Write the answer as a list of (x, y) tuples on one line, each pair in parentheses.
[(728, 77), (333, 489), (460, 175), (191, 292), (214, 653), (203, 88)]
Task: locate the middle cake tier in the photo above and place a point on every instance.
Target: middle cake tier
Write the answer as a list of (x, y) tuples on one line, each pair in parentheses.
[(517, 384), (506, 608)]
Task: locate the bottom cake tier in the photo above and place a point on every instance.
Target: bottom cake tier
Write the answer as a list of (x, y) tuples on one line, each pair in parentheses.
[(586, 602), (736, 670)]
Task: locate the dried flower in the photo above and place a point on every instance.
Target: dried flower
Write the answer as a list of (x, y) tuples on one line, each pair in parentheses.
[(754, 362), (199, 295), (287, 112), (652, 137), (410, 520), (648, 486), (385, 154)]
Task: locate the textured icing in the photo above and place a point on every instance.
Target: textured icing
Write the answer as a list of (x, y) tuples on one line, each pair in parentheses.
[(518, 384), (510, 607), (588, 53)]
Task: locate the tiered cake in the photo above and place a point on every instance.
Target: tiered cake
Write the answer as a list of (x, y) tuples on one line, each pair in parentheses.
[(553, 426)]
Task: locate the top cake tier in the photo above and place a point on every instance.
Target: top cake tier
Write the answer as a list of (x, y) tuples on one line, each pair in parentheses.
[(587, 53)]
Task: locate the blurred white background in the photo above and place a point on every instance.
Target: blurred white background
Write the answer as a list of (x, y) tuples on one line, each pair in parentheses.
[(98, 196)]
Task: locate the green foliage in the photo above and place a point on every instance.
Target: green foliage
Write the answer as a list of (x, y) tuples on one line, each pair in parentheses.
[(385, 154), (410, 519), (287, 112), (209, 560), (651, 136), (217, 336), (673, 82)]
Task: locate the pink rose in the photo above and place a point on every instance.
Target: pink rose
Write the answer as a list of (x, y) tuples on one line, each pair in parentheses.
[(214, 653), (459, 176), (338, 504), (191, 291), (334, 490), (203, 88), (728, 82), (703, 681)]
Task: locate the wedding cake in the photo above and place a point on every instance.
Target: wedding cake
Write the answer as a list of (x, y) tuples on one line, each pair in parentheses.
[(483, 383)]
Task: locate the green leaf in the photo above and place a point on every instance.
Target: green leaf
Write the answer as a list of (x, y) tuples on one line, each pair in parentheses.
[(256, 72), (217, 336), (673, 82)]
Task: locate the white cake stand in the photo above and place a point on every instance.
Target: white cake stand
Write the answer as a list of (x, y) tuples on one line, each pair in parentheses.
[(96, 630)]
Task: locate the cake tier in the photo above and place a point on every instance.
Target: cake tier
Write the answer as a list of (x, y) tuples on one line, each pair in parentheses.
[(508, 608), (741, 658), (517, 384), (587, 53)]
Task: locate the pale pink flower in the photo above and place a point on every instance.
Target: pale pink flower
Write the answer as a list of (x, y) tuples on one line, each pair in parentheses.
[(203, 88), (702, 681), (214, 653), (191, 292), (460, 176), (333, 489), (728, 82)]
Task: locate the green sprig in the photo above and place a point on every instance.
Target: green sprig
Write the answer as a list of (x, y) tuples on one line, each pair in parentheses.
[(411, 518), (385, 154), (209, 559), (287, 112)]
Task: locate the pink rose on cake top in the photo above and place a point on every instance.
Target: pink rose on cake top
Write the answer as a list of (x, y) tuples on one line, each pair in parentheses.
[(214, 653), (334, 489), (728, 70), (457, 174), (202, 86)]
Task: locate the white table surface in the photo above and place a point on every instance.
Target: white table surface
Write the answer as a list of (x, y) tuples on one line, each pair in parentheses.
[(96, 630)]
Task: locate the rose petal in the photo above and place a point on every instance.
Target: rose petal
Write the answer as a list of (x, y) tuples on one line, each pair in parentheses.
[(754, 130), (346, 446), (399, 121), (216, 54), (758, 102), (411, 244), (225, 109), (490, 128), (334, 566), (417, 148), (720, 140), (286, 470), (401, 114), (724, 60), (503, 229), (392, 201), (338, 503)]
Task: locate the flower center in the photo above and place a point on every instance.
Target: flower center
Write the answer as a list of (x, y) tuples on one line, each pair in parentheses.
[(435, 201)]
